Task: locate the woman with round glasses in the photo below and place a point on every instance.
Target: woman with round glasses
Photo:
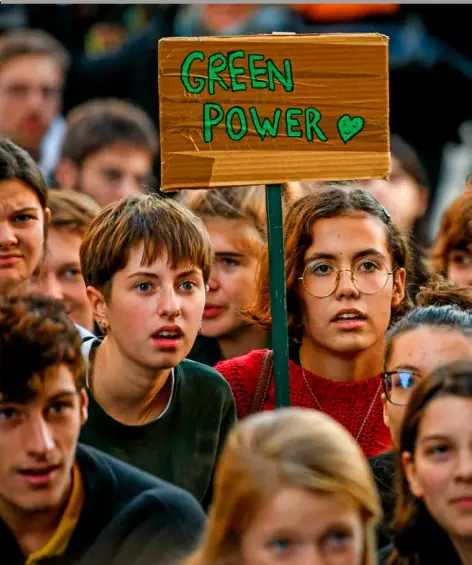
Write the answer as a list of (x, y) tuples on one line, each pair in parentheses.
[(345, 265), (437, 331)]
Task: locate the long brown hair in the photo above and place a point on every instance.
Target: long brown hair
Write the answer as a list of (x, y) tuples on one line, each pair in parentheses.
[(329, 202), (273, 450), (418, 538)]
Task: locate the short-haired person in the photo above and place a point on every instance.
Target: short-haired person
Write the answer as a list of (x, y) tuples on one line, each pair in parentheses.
[(436, 331), (341, 294), (33, 65), (24, 216), (62, 502), (146, 262), (60, 275), (108, 150), (433, 517)]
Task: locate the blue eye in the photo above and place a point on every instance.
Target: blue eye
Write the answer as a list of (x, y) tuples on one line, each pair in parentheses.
[(281, 544), (143, 287), (7, 414), (187, 286)]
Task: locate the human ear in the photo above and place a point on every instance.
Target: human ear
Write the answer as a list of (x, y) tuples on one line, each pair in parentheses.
[(84, 401), (67, 175), (99, 307), (399, 282), (411, 474)]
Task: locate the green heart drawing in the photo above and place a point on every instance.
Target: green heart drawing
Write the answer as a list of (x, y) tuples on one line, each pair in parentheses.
[(349, 127)]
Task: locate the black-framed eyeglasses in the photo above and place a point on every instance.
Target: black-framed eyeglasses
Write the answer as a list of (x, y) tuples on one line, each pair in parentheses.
[(321, 278), (398, 385)]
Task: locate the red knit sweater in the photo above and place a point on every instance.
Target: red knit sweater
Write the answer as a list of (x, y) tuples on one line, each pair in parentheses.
[(348, 403)]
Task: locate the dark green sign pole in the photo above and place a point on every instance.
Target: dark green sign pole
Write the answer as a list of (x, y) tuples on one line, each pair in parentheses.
[(278, 301)]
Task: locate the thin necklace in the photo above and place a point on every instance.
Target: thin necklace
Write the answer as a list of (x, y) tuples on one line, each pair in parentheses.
[(321, 408)]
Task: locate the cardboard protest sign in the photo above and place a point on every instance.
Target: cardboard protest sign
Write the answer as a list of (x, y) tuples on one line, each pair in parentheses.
[(267, 109)]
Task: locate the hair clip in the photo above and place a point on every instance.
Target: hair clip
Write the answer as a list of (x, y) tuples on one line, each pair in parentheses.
[(385, 213)]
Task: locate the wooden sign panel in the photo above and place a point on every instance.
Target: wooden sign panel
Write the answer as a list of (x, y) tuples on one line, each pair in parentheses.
[(268, 109)]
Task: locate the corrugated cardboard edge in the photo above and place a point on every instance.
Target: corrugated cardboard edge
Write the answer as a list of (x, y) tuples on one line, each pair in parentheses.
[(209, 162)]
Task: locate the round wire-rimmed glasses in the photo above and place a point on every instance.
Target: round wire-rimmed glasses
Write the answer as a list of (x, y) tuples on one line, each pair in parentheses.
[(320, 278), (398, 385)]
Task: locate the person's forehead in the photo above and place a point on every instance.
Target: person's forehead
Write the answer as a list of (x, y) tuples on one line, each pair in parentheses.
[(120, 154), (16, 194), (336, 235), (428, 346), (22, 67), (161, 264)]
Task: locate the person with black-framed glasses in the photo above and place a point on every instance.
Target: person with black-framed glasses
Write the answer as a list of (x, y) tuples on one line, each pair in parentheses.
[(436, 332)]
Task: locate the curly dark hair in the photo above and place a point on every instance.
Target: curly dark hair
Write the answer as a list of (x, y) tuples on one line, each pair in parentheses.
[(35, 333)]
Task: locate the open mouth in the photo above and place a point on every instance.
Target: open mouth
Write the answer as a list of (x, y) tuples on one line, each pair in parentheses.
[(349, 316), (168, 335)]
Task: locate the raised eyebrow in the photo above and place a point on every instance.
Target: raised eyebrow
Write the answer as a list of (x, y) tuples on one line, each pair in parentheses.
[(143, 274), (189, 273)]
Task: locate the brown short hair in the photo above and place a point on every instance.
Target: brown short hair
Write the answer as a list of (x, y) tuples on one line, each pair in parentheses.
[(20, 42), (97, 124), (159, 223), (72, 211), (329, 202), (17, 164), (455, 231), (35, 333)]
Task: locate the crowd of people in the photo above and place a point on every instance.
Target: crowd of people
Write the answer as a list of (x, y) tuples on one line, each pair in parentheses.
[(138, 420)]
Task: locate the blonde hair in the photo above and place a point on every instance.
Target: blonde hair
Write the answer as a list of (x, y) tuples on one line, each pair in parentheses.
[(237, 203), (286, 447), (72, 211)]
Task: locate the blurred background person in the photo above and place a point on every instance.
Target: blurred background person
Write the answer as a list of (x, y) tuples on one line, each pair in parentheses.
[(451, 255), (33, 65), (235, 218), (406, 197), (60, 275), (108, 150), (291, 487), (24, 217), (433, 521)]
